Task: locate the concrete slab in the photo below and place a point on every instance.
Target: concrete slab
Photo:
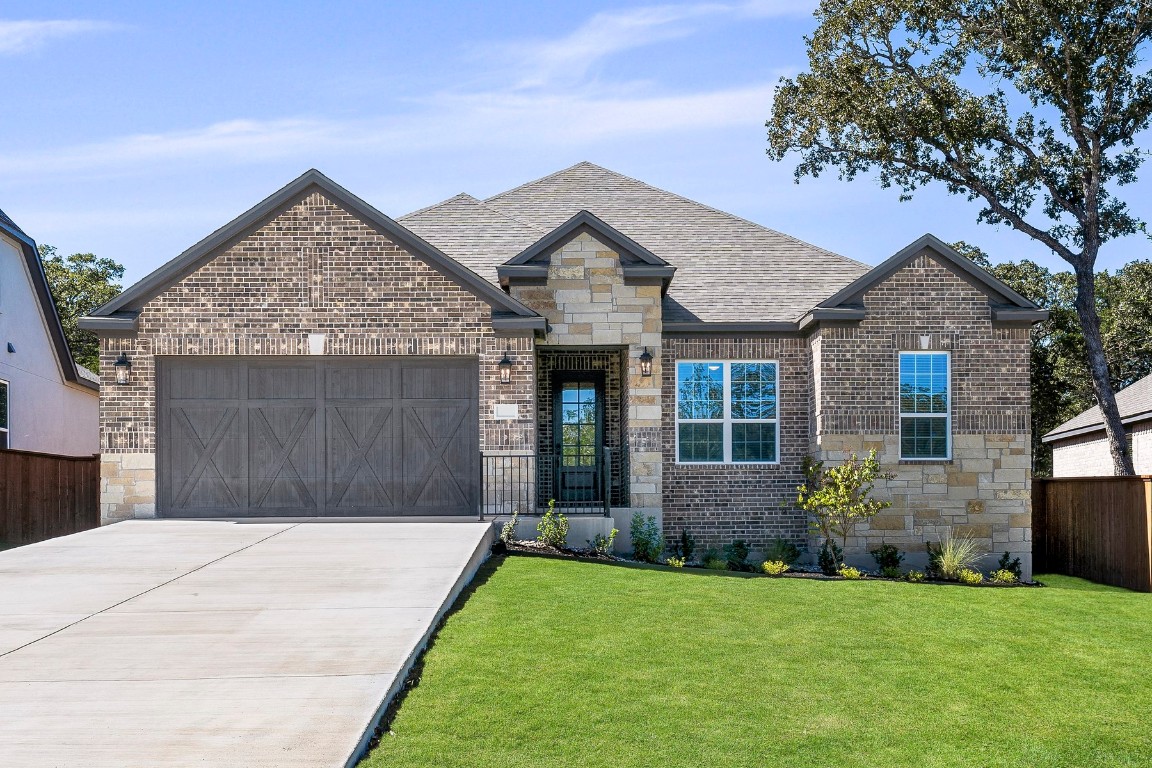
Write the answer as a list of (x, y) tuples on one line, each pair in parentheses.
[(214, 643)]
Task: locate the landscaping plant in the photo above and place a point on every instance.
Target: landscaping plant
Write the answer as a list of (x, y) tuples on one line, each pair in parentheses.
[(850, 573), (829, 558), (915, 576), (1009, 563), (774, 567), (647, 541), (553, 527), (782, 550), (601, 544), (1003, 576), (675, 562), (969, 576), (839, 497), (714, 562), (888, 559), (508, 532), (953, 555), (736, 556), (685, 546)]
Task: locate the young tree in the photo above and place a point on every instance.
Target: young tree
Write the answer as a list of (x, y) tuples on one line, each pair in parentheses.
[(80, 283), (1031, 107), (839, 497)]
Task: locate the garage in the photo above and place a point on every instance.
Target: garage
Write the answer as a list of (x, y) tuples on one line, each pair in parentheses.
[(301, 436)]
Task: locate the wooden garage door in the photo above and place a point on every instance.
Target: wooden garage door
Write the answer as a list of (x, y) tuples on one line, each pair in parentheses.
[(311, 436)]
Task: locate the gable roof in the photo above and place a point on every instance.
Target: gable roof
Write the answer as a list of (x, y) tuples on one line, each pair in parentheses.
[(728, 269), (72, 372), (1007, 304), (120, 313), (1134, 403)]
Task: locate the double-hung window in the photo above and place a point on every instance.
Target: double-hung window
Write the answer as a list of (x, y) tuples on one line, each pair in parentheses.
[(3, 414), (925, 406), (726, 412)]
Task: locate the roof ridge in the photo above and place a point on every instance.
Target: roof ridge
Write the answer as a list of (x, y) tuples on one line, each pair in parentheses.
[(481, 203), (418, 211), (697, 203)]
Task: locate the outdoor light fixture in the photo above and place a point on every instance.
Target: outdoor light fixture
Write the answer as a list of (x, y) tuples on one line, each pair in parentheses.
[(646, 363), (123, 367), (505, 366)]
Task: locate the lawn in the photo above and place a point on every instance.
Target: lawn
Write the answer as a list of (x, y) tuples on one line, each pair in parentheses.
[(562, 663)]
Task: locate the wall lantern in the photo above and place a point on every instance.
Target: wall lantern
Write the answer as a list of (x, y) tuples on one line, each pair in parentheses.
[(123, 367), (505, 366), (646, 363)]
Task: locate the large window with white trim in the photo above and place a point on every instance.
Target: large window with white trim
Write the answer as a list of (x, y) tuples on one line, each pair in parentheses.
[(726, 412), (3, 414), (925, 406)]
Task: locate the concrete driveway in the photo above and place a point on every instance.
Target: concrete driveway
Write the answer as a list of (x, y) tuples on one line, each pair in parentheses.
[(211, 643)]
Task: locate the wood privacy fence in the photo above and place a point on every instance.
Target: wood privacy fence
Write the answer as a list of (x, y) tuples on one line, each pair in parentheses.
[(43, 496), (1098, 528)]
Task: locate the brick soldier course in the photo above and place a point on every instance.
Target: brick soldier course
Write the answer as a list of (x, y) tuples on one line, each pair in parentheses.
[(582, 270)]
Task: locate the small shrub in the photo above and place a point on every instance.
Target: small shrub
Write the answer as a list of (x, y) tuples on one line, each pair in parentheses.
[(830, 557), (553, 528), (848, 572), (675, 562), (950, 557), (1003, 576), (889, 572), (969, 576), (601, 544), (915, 576), (714, 562), (782, 550), (736, 555), (647, 541), (685, 546), (887, 557), (508, 532), (1009, 563), (774, 567)]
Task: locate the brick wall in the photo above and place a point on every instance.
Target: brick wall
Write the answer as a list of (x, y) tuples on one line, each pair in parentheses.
[(1088, 455)]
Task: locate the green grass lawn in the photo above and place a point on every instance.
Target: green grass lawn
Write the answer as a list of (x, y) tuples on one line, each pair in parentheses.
[(561, 663)]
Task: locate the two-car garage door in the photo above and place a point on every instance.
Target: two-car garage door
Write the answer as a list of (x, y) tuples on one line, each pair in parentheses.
[(317, 436)]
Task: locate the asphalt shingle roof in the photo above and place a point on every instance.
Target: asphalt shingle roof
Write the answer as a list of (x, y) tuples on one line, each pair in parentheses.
[(1133, 400), (728, 269)]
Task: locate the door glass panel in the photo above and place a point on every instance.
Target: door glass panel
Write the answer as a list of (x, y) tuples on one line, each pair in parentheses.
[(578, 424)]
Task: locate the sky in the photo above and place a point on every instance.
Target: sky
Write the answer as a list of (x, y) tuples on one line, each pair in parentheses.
[(134, 129)]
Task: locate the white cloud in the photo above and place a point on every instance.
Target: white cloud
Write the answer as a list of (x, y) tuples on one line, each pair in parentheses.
[(22, 36)]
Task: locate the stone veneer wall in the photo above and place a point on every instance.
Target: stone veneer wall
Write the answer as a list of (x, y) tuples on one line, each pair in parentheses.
[(984, 490), (588, 303), (314, 269), (717, 503)]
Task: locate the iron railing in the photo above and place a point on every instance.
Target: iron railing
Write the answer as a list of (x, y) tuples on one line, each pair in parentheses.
[(509, 484)]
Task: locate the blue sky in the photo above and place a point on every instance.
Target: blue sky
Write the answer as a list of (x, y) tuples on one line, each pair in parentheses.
[(133, 129)]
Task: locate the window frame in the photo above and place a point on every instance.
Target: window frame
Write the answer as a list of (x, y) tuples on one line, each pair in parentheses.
[(946, 416), (726, 419), (6, 431)]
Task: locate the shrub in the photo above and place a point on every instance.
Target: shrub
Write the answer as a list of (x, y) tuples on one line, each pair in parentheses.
[(736, 555), (685, 546), (889, 572), (839, 497), (969, 576), (782, 550), (887, 557), (675, 562), (647, 541), (915, 576), (1009, 563), (955, 554), (848, 572), (714, 562), (601, 544), (1003, 576), (830, 557), (553, 528), (774, 567), (508, 532)]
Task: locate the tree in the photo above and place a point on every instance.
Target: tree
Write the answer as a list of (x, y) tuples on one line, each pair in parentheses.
[(839, 497), (1046, 132), (80, 283)]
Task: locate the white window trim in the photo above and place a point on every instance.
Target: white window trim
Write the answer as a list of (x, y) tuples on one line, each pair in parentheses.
[(947, 417), (727, 420), (7, 431)]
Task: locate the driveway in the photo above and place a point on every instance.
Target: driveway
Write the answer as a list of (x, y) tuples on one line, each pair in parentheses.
[(212, 643)]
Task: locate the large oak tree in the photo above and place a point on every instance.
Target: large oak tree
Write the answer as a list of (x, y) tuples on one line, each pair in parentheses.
[(1031, 107)]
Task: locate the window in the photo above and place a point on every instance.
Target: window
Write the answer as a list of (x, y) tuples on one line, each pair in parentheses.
[(726, 412), (925, 395), (3, 414)]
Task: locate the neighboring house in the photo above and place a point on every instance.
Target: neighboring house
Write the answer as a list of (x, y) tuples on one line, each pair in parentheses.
[(1080, 448), (48, 403), (584, 337)]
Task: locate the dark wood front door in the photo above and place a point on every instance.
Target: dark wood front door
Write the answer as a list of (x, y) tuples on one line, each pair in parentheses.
[(578, 413), (307, 436)]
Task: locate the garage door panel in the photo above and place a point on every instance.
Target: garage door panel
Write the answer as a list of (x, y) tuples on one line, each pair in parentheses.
[(435, 382), (207, 456), (193, 379), (282, 382), (283, 457), (359, 382), (360, 456)]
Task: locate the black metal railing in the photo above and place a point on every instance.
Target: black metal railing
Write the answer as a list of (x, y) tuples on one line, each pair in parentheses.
[(509, 484)]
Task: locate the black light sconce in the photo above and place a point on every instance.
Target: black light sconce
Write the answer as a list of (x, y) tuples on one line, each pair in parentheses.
[(505, 366), (123, 368), (646, 363)]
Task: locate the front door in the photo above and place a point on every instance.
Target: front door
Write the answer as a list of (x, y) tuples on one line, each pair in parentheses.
[(578, 411)]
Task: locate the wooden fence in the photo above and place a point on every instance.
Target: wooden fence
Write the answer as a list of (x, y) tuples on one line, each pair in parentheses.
[(43, 496), (1098, 528)]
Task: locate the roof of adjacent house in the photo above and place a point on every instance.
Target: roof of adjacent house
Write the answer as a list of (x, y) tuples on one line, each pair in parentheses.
[(72, 372), (728, 269), (1134, 403)]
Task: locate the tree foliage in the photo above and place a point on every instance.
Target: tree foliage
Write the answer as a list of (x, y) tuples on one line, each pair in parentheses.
[(839, 497), (1030, 107), (80, 283)]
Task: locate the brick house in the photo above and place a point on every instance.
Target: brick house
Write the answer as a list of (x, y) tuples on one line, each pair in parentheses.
[(1080, 447), (585, 338)]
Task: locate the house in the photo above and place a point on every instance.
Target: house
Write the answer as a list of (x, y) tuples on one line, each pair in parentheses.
[(48, 403), (584, 338), (1080, 447)]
